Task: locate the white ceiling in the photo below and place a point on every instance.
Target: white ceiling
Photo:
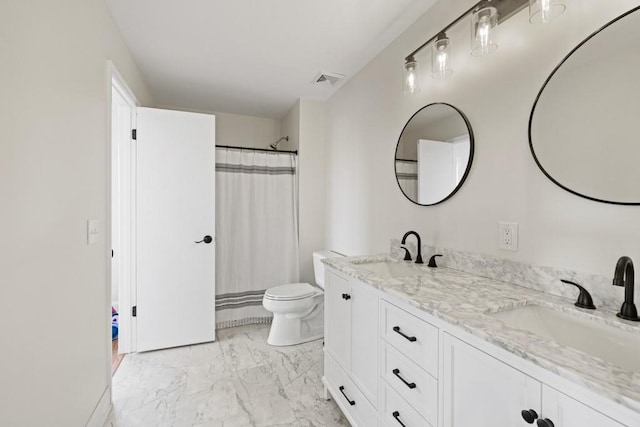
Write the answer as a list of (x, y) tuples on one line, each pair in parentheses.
[(255, 57)]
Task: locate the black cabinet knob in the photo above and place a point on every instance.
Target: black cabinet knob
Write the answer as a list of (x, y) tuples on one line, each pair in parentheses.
[(346, 297), (206, 239), (529, 415), (545, 423)]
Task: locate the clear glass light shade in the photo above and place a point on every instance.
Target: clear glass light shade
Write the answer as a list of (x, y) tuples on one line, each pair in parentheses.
[(441, 58), (543, 11), (483, 21), (411, 76)]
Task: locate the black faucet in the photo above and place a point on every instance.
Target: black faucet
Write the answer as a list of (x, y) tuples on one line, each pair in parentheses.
[(404, 240), (624, 277)]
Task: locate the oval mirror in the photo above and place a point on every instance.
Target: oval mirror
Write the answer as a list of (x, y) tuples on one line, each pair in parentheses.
[(434, 154), (583, 125)]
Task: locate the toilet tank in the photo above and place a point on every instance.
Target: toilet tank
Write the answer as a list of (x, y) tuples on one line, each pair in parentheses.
[(318, 266)]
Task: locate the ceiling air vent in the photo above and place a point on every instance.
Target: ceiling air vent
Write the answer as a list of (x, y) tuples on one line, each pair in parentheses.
[(328, 79)]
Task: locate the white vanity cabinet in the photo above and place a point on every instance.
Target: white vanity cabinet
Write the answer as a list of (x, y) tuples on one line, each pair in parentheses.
[(564, 411), (408, 369), (388, 363), (351, 347), (482, 391)]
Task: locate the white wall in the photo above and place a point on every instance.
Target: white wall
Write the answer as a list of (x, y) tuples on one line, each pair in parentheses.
[(54, 175), (312, 179), (291, 128), (306, 126), (364, 206), (246, 131)]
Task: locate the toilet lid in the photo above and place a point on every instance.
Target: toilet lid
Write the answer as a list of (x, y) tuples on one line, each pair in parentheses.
[(292, 291)]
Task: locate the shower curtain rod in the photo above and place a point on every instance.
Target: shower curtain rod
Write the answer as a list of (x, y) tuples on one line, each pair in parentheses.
[(258, 149)]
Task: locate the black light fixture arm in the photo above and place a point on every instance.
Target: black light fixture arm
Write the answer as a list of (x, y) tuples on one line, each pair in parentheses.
[(444, 30), (506, 9)]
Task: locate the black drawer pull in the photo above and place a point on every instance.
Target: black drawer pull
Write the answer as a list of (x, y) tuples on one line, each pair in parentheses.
[(396, 372), (396, 415), (397, 329), (351, 402)]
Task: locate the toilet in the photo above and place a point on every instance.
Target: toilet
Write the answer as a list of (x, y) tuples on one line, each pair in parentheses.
[(298, 308)]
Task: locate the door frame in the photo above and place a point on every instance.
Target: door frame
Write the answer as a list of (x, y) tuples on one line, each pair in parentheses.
[(127, 270)]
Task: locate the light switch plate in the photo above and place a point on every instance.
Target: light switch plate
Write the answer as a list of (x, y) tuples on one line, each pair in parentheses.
[(92, 231), (508, 236)]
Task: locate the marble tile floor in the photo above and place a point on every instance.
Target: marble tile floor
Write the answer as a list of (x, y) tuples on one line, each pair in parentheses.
[(239, 380)]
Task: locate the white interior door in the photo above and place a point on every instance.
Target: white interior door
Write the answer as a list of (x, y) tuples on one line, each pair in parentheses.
[(175, 208), (122, 260), (435, 171)]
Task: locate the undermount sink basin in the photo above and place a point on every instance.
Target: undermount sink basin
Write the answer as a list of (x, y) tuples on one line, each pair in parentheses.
[(391, 269), (615, 345)]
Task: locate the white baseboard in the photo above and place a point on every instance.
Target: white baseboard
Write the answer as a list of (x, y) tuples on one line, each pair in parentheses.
[(101, 412)]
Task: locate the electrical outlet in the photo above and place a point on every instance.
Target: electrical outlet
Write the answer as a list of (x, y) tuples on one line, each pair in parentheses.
[(508, 236)]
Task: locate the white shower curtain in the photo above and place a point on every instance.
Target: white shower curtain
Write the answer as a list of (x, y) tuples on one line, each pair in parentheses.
[(256, 231)]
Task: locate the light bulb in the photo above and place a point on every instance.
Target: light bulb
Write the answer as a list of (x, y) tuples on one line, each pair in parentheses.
[(411, 76), (482, 23), (543, 11), (483, 33), (440, 58)]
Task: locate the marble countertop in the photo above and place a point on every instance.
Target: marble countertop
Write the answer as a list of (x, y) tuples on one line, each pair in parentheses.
[(467, 300)]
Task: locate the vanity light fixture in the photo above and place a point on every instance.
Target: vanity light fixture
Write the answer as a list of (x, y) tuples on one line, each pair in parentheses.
[(483, 20), (441, 57), (543, 11), (411, 75), (485, 15)]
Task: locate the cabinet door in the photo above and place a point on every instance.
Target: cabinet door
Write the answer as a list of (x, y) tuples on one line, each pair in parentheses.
[(564, 411), (338, 319), (481, 391), (364, 339)]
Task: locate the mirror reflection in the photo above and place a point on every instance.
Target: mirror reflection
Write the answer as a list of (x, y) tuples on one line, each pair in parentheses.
[(434, 154), (583, 125)]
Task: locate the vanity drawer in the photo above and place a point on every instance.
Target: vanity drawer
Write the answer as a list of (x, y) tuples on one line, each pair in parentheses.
[(348, 396), (415, 338), (413, 384), (397, 412)]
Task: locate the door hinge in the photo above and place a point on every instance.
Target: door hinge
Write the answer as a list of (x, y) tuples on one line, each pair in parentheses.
[(134, 134), (134, 311)]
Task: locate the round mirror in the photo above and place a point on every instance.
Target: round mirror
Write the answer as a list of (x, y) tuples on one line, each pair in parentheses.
[(583, 125), (434, 154)]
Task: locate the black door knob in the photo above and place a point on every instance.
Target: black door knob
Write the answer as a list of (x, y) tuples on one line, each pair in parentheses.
[(207, 239), (545, 423), (529, 415)]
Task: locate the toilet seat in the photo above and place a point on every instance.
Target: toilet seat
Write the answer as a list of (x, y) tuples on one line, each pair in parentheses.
[(291, 292)]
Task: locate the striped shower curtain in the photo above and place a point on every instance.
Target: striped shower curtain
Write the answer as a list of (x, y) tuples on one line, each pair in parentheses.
[(256, 231), (407, 175)]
